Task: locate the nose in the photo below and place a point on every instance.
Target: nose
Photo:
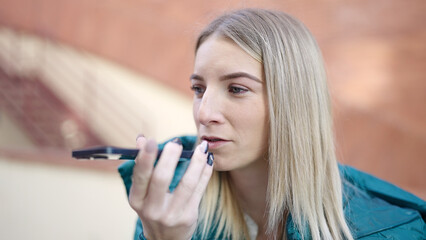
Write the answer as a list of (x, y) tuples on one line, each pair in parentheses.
[(208, 108)]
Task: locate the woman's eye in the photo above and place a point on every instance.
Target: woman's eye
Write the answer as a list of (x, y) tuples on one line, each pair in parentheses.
[(237, 90), (197, 89)]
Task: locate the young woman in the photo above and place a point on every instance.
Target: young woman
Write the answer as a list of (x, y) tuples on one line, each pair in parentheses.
[(264, 165)]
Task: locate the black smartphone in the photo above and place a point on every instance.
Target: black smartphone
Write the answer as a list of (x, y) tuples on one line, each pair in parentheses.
[(116, 153)]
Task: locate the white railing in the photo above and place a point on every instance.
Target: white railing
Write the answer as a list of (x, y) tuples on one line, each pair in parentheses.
[(116, 103)]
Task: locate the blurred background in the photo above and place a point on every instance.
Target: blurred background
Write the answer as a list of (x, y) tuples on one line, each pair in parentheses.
[(81, 73)]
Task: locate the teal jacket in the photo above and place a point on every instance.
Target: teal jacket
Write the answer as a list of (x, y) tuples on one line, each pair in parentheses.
[(374, 209)]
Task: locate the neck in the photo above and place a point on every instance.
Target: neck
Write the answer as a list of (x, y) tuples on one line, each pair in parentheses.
[(250, 185)]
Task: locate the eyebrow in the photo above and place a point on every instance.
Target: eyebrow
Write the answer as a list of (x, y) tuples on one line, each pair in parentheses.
[(229, 76)]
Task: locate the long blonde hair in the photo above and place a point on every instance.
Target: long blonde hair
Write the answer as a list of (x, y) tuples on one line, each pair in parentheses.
[(304, 179)]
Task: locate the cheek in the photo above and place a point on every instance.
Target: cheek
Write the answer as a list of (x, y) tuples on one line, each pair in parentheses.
[(258, 128), (195, 107), (257, 122)]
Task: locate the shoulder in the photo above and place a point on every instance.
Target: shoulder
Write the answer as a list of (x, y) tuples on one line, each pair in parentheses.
[(376, 209)]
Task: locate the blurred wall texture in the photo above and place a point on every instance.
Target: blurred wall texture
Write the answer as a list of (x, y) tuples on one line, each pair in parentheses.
[(85, 72)]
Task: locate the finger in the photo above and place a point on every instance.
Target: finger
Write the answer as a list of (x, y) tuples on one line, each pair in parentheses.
[(202, 184), (140, 141), (191, 178), (142, 171), (163, 172)]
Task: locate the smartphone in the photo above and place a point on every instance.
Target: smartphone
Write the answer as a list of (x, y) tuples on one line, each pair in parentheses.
[(116, 153)]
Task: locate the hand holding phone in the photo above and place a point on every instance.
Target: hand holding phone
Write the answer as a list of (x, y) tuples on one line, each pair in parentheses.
[(169, 212)]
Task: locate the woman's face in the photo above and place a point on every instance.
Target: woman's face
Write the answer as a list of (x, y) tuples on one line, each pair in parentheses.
[(230, 104)]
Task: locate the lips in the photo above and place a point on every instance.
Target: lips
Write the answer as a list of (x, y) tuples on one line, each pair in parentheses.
[(212, 139), (214, 142)]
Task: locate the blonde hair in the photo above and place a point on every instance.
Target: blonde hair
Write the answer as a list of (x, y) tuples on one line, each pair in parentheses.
[(304, 179)]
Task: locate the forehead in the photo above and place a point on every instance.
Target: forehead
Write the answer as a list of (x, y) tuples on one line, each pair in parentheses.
[(224, 54)]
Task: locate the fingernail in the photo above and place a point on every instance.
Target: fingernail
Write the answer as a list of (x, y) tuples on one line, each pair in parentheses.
[(150, 146), (139, 135), (177, 141), (204, 147), (210, 158)]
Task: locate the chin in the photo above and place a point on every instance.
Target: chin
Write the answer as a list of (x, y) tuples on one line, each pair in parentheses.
[(219, 167), (223, 165), (220, 164)]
